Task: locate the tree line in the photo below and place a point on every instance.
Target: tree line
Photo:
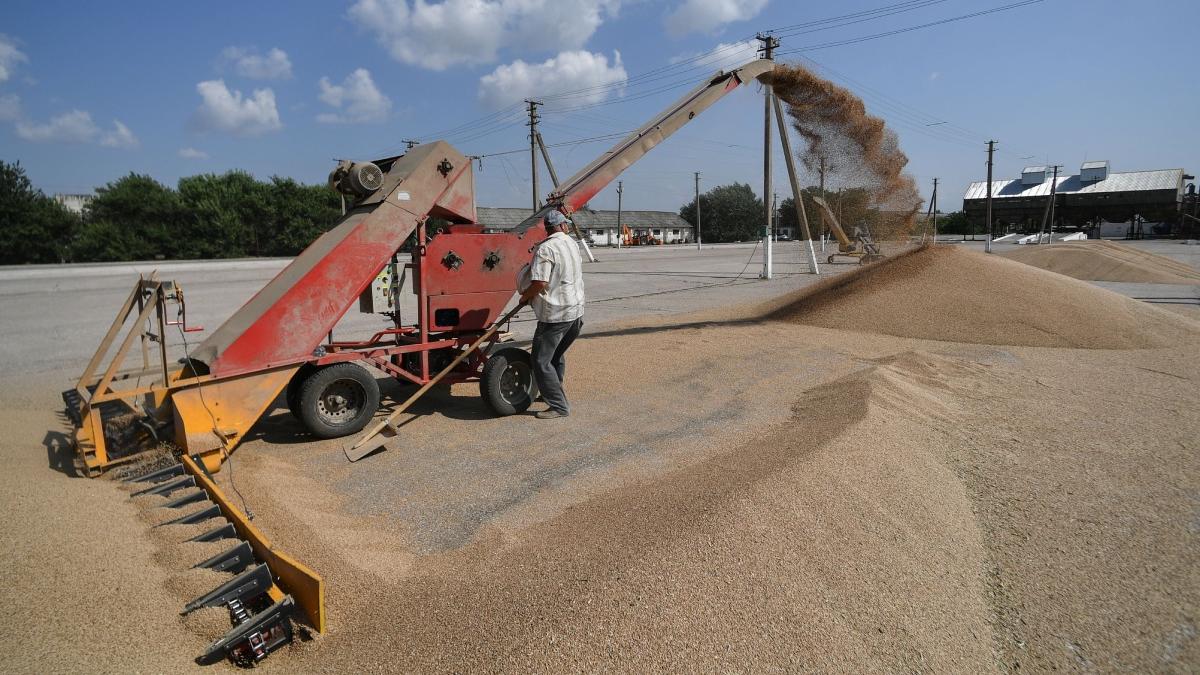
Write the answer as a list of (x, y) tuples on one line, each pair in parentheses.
[(735, 213), (234, 215), (231, 215)]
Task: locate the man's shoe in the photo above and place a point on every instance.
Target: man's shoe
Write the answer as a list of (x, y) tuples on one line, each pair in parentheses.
[(549, 414)]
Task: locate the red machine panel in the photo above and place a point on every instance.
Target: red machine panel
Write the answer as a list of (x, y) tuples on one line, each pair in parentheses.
[(294, 312), (470, 276)]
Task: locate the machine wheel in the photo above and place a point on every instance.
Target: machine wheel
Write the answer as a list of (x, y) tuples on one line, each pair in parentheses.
[(829, 260), (338, 400), (507, 385), (292, 393)]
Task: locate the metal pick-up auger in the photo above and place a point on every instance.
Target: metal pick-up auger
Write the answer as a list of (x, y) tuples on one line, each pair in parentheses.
[(280, 342), (862, 247)]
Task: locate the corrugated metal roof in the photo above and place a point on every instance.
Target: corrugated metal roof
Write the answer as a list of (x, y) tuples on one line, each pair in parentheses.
[(1129, 181), (507, 218)]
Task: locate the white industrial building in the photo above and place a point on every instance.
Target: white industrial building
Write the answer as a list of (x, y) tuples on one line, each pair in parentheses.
[(74, 203)]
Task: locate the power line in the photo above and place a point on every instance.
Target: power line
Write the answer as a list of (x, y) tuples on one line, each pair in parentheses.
[(693, 63), (908, 29)]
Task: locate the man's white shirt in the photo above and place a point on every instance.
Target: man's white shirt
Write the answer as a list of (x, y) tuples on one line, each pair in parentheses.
[(557, 262)]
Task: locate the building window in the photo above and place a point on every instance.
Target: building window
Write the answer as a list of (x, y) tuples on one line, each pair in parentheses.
[(675, 232), (657, 232)]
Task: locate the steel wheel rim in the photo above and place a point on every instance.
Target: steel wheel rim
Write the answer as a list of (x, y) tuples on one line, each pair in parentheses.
[(516, 381), (340, 402)]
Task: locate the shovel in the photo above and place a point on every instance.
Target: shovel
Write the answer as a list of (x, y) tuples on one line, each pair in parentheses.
[(386, 427)]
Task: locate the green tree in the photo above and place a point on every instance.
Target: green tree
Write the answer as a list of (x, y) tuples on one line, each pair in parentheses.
[(33, 227), (225, 215), (954, 223), (728, 213), (297, 214), (132, 218)]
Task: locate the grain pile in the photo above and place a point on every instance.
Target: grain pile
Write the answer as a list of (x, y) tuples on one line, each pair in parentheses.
[(1106, 261), (954, 294), (856, 147)]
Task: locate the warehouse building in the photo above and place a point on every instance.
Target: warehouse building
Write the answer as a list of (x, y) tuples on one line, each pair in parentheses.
[(74, 203), (1137, 202), (601, 227)]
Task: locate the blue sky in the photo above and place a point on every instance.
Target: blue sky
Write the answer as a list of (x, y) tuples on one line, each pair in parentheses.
[(92, 91)]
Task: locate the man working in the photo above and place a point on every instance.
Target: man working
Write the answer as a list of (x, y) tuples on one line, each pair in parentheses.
[(555, 290)]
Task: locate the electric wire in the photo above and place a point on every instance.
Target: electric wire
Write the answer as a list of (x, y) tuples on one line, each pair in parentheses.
[(696, 62), (200, 392)]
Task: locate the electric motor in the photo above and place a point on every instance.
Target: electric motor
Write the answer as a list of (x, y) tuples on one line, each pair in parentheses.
[(357, 179)]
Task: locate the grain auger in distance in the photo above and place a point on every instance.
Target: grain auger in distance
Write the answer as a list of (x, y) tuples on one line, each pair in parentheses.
[(279, 346), (862, 247)]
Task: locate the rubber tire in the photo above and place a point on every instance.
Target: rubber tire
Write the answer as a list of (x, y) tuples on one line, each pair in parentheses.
[(316, 383), (292, 393), (490, 380)]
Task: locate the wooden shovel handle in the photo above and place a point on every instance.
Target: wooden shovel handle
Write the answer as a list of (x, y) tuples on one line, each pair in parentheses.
[(437, 378)]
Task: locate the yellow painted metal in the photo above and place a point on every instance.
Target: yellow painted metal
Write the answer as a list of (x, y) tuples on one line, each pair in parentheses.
[(212, 417), (291, 576)]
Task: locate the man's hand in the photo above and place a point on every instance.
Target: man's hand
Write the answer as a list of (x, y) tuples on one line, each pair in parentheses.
[(535, 288)]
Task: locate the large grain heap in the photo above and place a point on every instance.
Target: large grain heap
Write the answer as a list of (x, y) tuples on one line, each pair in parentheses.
[(1106, 261), (957, 295), (856, 147)]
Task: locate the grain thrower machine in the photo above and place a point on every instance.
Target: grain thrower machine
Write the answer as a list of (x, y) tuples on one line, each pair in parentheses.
[(280, 341)]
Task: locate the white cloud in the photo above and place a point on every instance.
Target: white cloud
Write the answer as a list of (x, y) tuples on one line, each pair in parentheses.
[(706, 16), (77, 127), (569, 71), (438, 35), (10, 56), (192, 153), (73, 127), (10, 108), (934, 75), (227, 111), (356, 98), (119, 137), (247, 62), (724, 56)]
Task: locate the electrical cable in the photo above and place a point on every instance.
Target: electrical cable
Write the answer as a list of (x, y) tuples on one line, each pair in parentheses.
[(907, 29), (200, 391), (696, 62)]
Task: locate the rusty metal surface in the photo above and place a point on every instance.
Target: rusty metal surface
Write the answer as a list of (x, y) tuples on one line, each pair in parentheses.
[(292, 576), (285, 321)]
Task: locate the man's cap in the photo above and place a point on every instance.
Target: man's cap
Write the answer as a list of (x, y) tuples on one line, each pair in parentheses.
[(555, 218)]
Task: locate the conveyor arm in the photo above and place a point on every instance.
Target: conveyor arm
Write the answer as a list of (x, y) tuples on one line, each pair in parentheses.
[(834, 226), (591, 179)]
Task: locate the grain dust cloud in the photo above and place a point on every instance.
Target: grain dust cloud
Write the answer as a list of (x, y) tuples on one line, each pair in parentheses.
[(856, 148)]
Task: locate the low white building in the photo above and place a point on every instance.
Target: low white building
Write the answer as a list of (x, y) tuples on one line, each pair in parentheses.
[(601, 227)]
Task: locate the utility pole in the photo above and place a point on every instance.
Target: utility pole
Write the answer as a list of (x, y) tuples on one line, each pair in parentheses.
[(1053, 192), (1048, 214), (554, 181), (797, 195), (769, 43), (410, 143), (620, 230), (988, 244), (821, 212), (698, 245), (775, 215), (532, 124), (928, 218), (935, 210)]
